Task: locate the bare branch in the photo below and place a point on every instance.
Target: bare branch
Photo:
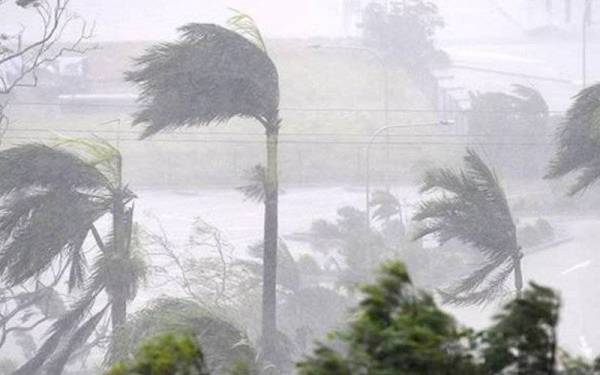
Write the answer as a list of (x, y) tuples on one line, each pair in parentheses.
[(19, 67)]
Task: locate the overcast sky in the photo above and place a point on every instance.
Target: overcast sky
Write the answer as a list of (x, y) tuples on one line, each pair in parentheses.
[(157, 19)]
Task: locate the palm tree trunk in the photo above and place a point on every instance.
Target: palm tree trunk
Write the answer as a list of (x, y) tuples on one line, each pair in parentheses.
[(118, 299), (518, 274), (269, 300)]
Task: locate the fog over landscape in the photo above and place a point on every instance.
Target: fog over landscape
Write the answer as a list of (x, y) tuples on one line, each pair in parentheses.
[(299, 187)]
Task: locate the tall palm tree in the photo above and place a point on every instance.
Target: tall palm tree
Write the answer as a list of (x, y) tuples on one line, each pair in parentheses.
[(579, 142), (470, 206), (210, 75), (51, 202)]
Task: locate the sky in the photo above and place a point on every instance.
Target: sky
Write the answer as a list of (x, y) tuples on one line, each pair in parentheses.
[(158, 19)]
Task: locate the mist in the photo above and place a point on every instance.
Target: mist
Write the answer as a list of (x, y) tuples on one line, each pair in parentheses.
[(257, 180)]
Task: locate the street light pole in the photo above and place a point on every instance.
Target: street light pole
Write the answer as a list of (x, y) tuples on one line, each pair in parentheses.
[(368, 158)]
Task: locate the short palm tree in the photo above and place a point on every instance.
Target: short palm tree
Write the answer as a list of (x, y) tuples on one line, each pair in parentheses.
[(51, 202), (470, 206), (579, 141), (211, 75), (224, 345)]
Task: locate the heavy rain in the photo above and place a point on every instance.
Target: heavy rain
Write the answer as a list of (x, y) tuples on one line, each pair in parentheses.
[(317, 187)]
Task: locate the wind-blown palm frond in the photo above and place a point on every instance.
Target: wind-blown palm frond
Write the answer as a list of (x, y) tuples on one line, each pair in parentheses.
[(210, 75), (385, 206), (244, 25), (58, 362), (60, 329), (482, 285), (51, 199), (69, 327), (222, 342), (98, 153), (471, 207), (579, 141), (36, 165), (254, 190), (36, 228)]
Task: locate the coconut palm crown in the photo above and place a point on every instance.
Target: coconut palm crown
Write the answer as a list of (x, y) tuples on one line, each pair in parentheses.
[(471, 207), (210, 75), (578, 141)]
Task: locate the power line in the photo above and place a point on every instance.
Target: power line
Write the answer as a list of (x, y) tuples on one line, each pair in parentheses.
[(315, 142), (258, 134), (289, 109)]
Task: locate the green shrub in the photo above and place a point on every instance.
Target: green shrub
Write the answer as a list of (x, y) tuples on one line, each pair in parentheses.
[(165, 355)]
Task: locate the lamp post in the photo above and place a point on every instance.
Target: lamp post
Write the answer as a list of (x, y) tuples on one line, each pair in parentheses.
[(368, 158)]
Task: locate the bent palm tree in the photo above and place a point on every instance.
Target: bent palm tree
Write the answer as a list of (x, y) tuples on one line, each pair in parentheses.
[(579, 141), (51, 201), (473, 209), (224, 345), (211, 75)]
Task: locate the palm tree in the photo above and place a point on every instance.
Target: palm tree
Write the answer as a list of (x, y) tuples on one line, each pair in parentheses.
[(578, 142), (500, 118), (211, 75), (473, 209), (224, 344), (52, 200)]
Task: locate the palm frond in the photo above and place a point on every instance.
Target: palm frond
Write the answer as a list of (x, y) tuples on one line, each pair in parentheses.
[(37, 165), (59, 330), (244, 25), (472, 209), (219, 339), (58, 362), (209, 75), (385, 206), (33, 365), (490, 288), (98, 153), (39, 227), (254, 190), (479, 276), (578, 140)]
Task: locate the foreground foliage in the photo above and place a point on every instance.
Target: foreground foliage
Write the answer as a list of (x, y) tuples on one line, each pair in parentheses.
[(165, 355), (397, 330)]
